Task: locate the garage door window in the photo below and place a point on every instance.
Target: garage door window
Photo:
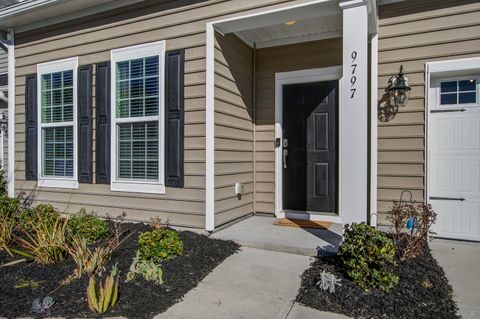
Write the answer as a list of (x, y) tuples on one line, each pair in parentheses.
[(459, 92)]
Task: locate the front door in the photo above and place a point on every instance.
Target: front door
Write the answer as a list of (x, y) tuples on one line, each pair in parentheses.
[(309, 146)]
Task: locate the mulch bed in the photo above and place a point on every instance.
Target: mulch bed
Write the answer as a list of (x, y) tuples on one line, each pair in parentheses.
[(409, 299), (137, 299)]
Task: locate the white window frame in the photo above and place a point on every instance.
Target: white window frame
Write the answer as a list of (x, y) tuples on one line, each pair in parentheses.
[(438, 81), (125, 54), (47, 68)]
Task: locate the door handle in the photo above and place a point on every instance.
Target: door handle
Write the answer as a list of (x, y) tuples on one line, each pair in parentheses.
[(447, 198), (448, 111), (285, 152)]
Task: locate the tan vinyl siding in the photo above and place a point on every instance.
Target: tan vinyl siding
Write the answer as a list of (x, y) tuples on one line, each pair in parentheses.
[(233, 128), (317, 54), (182, 27), (413, 33)]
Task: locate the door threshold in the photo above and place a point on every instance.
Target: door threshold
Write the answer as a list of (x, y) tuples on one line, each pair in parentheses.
[(306, 215)]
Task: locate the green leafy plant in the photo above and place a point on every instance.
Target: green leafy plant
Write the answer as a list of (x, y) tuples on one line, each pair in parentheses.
[(421, 217), (103, 296), (45, 239), (146, 268), (159, 244), (367, 256), (3, 183), (87, 226), (44, 214)]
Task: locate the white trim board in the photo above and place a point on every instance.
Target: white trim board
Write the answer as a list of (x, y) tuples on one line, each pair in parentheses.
[(293, 77)]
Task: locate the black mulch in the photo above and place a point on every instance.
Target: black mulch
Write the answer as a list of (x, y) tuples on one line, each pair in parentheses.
[(137, 299), (409, 299)]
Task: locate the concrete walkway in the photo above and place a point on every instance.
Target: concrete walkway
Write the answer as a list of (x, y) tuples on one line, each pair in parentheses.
[(259, 232), (251, 284), (461, 262)]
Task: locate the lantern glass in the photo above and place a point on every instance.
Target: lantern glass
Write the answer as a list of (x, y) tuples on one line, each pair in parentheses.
[(399, 97), (398, 89)]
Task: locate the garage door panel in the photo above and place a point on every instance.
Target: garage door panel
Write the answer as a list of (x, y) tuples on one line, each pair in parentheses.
[(457, 219), (454, 173)]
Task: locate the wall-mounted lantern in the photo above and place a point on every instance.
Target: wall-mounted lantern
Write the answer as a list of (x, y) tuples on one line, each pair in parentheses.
[(396, 95), (398, 89)]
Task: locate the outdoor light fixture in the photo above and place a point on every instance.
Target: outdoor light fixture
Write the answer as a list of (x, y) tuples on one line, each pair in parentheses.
[(289, 23), (4, 124), (398, 89)]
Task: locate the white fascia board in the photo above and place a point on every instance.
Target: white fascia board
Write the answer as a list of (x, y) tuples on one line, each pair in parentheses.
[(300, 39)]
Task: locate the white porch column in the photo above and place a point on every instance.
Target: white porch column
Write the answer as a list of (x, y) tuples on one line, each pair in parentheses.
[(354, 113)]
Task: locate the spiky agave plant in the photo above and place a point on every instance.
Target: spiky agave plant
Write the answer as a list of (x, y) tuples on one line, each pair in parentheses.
[(101, 298)]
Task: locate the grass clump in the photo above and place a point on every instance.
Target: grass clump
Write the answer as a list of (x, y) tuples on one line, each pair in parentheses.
[(44, 235), (367, 256)]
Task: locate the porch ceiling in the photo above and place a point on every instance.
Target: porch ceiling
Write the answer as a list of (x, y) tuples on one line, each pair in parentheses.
[(300, 31), (316, 20)]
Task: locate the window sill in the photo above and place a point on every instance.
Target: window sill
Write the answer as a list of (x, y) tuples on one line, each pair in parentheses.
[(137, 187), (58, 183)]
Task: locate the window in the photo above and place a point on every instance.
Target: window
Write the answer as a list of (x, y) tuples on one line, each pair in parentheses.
[(137, 124), (458, 92), (57, 109)]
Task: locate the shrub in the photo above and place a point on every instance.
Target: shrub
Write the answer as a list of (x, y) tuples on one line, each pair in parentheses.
[(367, 255), (421, 217), (44, 214), (103, 297), (45, 238), (87, 226), (3, 183), (159, 244)]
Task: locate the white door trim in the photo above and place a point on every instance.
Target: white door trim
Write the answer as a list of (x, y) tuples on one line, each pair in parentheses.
[(293, 77)]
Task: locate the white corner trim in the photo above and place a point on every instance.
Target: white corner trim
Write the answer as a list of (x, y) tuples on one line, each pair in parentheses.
[(284, 78), (210, 130), (46, 68), (373, 129), (157, 48), (11, 114)]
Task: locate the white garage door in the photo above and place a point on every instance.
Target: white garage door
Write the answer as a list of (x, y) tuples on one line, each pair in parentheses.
[(454, 160)]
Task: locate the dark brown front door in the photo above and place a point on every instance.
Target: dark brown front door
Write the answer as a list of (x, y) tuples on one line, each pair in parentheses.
[(310, 139)]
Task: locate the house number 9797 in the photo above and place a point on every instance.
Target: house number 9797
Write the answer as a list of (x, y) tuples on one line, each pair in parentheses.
[(353, 78)]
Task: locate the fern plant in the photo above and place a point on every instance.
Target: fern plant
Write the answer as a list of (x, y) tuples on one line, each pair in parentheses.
[(104, 296)]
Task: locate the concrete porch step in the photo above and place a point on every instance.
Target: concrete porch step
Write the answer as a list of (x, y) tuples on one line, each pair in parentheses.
[(259, 232)]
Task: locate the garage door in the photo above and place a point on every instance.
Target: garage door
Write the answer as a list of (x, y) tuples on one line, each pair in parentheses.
[(454, 166)]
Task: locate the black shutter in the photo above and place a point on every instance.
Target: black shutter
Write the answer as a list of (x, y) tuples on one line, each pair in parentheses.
[(85, 143), (102, 101), (31, 166), (174, 105)]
